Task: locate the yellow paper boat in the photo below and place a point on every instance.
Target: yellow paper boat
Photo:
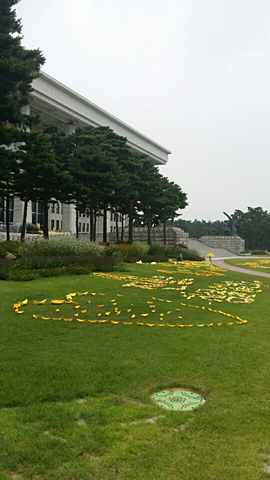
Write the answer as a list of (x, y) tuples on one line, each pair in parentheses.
[(80, 319), (42, 302), (46, 318), (35, 316), (19, 311), (68, 319), (107, 313), (17, 305), (127, 323), (92, 321), (83, 311), (81, 294), (102, 321), (150, 324), (57, 318), (114, 323), (57, 302), (144, 314)]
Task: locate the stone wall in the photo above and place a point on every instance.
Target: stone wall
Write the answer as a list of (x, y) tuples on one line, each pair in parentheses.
[(233, 244), (174, 235)]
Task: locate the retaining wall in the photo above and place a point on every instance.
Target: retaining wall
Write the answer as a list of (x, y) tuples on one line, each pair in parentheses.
[(233, 244), (174, 235)]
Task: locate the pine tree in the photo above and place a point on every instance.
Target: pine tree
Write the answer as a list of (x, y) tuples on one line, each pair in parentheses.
[(18, 67)]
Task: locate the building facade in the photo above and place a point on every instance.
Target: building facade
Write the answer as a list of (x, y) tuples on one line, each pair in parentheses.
[(58, 104)]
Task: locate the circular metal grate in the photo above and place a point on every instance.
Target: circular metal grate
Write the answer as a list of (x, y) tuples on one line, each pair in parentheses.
[(178, 399)]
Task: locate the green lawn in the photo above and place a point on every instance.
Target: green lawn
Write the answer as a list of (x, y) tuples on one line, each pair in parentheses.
[(76, 397), (260, 264)]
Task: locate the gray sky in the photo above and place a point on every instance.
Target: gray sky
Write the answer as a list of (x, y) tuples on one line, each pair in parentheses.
[(193, 75)]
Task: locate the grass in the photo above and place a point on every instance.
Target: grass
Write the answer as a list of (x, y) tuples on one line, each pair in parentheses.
[(260, 264), (76, 397)]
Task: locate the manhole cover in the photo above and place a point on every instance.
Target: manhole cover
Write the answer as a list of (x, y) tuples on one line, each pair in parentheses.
[(178, 399)]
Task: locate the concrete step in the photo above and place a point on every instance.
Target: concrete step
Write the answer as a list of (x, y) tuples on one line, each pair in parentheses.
[(204, 249)]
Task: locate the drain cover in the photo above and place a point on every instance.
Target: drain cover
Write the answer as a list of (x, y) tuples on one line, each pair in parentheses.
[(178, 399)]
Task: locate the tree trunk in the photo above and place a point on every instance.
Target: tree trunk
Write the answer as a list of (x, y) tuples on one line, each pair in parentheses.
[(130, 223), (117, 229), (164, 229), (91, 221), (26, 200), (149, 225), (77, 221), (122, 228), (105, 224), (46, 219), (7, 211), (95, 227)]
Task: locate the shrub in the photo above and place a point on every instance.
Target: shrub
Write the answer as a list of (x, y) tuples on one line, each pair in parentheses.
[(31, 228), (64, 246), (125, 251), (78, 269), (13, 247), (22, 275), (34, 262), (259, 252), (155, 258), (122, 267), (5, 268), (103, 263)]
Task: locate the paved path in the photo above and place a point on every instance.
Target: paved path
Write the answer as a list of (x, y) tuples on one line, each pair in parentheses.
[(222, 264)]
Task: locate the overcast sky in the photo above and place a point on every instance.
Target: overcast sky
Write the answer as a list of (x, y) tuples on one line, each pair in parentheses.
[(193, 75)]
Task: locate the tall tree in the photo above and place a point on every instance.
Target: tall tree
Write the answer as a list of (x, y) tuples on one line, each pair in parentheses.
[(171, 199), (18, 67)]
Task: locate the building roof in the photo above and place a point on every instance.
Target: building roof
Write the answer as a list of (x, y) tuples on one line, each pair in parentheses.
[(57, 103)]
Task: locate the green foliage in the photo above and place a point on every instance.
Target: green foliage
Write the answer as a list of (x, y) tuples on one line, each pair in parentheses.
[(79, 269), (174, 252), (259, 252), (122, 267), (11, 246), (127, 251), (64, 246), (103, 263), (254, 227), (22, 275), (156, 257)]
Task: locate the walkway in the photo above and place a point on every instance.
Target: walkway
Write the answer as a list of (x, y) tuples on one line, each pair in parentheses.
[(222, 264)]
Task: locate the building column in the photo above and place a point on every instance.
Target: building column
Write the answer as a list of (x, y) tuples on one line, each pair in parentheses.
[(69, 218)]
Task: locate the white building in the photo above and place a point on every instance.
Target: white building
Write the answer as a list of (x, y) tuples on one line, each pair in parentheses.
[(56, 103)]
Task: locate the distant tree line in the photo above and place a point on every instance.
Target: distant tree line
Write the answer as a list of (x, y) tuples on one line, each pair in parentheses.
[(253, 226), (94, 168)]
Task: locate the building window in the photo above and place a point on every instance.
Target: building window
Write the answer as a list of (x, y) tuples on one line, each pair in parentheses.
[(57, 225), (52, 207), (57, 208), (52, 224), (87, 227), (83, 227), (80, 227)]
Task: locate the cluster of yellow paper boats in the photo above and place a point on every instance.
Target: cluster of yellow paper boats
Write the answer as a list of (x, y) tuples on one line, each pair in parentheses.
[(101, 309)]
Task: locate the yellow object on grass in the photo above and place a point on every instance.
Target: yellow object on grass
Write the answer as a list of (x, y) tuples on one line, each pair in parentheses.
[(42, 302)]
